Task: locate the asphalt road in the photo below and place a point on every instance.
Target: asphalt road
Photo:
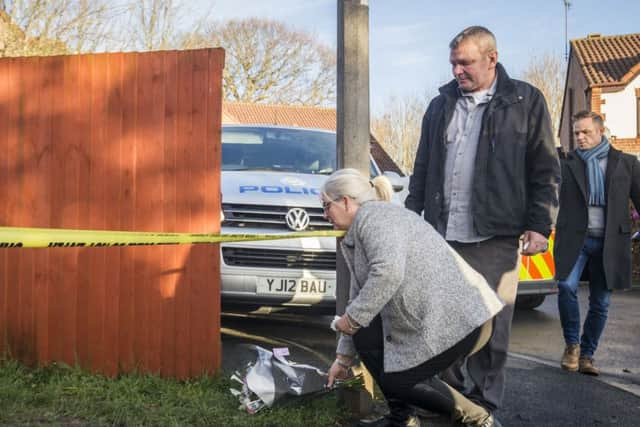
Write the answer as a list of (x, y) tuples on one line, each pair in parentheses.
[(537, 334), (538, 393)]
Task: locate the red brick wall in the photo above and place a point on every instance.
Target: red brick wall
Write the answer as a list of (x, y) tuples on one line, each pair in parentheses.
[(628, 145), (597, 102)]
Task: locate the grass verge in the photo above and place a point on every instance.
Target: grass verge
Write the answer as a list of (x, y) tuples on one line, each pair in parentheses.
[(65, 396)]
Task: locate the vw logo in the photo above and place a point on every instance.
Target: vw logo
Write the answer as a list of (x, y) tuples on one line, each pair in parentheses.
[(297, 219)]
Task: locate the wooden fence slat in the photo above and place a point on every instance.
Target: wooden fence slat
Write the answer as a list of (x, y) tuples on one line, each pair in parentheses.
[(204, 216), (25, 270), (214, 161), (14, 208), (197, 260), (5, 80), (42, 207), (183, 175), (97, 180), (58, 283), (113, 135), (142, 210), (50, 314), (84, 201), (171, 268), (36, 156), (128, 144), (156, 202), (70, 142)]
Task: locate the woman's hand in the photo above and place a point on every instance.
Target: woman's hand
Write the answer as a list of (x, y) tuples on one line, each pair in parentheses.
[(346, 325), (339, 370)]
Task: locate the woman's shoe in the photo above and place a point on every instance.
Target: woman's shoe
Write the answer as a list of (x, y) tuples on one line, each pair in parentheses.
[(390, 421), (378, 422)]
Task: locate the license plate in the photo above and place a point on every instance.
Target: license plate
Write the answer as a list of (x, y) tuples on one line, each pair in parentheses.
[(301, 286)]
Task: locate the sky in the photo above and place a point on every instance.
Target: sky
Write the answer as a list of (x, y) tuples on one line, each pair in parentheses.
[(408, 39)]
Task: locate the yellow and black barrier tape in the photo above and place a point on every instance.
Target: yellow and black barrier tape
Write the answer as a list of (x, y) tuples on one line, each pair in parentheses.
[(19, 237)]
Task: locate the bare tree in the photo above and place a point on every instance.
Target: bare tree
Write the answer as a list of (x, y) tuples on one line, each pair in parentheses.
[(398, 128), (268, 62), (155, 24), (547, 73), (39, 27)]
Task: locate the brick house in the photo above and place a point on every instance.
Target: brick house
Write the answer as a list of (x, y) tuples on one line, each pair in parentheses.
[(297, 116), (603, 75)]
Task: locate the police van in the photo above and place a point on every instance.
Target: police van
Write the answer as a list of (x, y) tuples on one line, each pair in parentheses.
[(271, 179)]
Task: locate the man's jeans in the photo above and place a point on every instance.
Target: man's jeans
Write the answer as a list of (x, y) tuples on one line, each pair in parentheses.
[(599, 297)]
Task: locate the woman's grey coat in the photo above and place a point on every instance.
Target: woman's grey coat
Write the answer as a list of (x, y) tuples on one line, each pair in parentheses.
[(427, 296)]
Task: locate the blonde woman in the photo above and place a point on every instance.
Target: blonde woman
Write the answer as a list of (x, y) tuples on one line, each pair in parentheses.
[(415, 306)]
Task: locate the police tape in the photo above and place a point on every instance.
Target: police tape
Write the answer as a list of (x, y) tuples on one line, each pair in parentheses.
[(19, 237)]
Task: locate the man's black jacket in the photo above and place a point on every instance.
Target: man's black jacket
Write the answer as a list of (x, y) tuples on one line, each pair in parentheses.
[(517, 171)]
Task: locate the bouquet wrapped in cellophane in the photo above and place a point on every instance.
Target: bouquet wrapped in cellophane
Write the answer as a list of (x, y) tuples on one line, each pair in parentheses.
[(272, 377)]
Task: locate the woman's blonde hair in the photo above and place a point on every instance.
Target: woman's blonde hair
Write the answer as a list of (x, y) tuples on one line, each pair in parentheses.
[(351, 183)]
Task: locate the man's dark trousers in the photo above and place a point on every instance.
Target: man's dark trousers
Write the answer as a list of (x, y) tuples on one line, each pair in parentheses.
[(498, 260)]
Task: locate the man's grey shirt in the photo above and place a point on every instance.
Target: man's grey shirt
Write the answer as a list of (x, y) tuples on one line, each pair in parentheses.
[(463, 133)]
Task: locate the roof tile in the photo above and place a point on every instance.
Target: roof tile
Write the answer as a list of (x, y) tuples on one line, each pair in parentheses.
[(608, 60), (282, 115)]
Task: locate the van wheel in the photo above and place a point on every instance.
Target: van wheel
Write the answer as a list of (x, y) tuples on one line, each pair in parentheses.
[(529, 302)]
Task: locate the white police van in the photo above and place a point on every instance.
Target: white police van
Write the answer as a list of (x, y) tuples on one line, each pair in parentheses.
[(271, 178)]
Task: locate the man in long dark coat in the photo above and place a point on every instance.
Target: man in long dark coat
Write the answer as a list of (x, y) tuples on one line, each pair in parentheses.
[(594, 228)]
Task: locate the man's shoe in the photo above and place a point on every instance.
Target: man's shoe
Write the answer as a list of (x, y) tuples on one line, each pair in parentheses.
[(586, 367), (414, 421), (570, 357)]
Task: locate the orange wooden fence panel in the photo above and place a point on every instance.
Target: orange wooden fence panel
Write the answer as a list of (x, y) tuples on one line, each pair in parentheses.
[(122, 141)]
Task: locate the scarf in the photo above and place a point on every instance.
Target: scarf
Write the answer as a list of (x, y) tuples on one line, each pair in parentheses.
[(591, 159)]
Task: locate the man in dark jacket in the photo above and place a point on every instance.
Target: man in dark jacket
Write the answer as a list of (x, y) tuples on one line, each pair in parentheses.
[(594, 226), (487, 172)]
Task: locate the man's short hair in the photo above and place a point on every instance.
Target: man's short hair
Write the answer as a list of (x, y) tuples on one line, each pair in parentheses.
[(584, 114), (481, 35)]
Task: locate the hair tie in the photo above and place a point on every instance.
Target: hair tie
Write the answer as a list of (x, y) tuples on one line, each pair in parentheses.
[(371, 183)]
